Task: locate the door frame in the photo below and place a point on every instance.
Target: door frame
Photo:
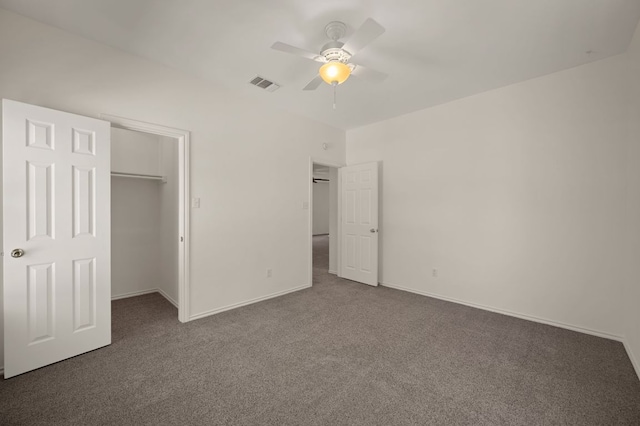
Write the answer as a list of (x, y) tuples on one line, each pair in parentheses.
[(326, 163), (184, 260)]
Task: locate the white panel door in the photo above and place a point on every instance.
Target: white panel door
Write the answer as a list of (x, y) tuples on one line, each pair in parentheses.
[(359, 223), (56, 235)]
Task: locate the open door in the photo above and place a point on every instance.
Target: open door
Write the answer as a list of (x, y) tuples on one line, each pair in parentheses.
[(56, 235), (359, 223)]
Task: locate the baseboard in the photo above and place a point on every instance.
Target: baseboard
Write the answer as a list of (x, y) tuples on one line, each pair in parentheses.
[(634, 361), (333, 272), (245, 303), (134, 294), (143, 292), (632, 357), (166, 296), (511, 313)]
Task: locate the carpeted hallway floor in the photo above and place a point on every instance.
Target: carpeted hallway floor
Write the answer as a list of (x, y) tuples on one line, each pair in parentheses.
[(338, 353)]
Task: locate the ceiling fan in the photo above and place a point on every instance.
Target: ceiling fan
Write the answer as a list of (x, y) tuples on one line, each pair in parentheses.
[(336, 55)]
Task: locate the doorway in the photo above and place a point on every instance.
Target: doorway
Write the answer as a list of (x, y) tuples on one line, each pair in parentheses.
[(150, 220), (144, 215), (353, 240), (324, 221)]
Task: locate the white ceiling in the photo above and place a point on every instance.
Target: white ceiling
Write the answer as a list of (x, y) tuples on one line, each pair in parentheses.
[(434, 50)]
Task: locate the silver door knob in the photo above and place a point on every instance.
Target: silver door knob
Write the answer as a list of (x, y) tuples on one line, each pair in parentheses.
[(17, 253), (373, 231)]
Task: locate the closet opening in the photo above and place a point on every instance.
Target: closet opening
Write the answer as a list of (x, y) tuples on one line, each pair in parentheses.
[(149, 217)]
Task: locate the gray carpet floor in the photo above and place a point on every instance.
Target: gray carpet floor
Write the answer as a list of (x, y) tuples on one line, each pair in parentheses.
[(338, 353)]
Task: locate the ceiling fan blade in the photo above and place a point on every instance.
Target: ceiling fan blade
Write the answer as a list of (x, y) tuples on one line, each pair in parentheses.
[(313, 84), (368, 73), (368, 32), (287, 48)]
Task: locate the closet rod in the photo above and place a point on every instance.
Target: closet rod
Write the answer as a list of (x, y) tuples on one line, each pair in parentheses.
[(139, 176)]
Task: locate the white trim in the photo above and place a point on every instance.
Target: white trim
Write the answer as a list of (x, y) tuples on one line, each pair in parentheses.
[(339, 232), (143, 292), (510, 313), (184, 150), (134, 294), (634, 361), (326, 163), (170, 299), (248, 302), (333, 272)]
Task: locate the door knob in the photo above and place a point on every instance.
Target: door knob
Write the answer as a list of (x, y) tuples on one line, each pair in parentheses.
[(373, 230), (17, 253)]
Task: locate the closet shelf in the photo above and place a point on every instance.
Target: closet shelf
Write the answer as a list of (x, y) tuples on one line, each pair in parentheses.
[(140, 176)]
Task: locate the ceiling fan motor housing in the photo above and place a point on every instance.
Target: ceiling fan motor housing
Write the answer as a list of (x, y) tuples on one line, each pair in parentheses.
[(333, 51)]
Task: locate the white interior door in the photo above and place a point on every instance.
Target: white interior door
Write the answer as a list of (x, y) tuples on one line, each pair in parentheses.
[(56, 235), (359, 223)]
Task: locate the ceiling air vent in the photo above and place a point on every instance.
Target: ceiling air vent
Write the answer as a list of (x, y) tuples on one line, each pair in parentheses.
[(265, 84)]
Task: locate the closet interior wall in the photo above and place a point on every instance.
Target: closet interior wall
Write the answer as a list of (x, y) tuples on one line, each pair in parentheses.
[(144, 240)]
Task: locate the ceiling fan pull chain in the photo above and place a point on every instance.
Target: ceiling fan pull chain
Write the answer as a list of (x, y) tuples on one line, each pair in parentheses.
[(335, 84)]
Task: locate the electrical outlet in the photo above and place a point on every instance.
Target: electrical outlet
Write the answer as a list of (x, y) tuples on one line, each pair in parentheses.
[(269, 272), (195, 203), (434, 272)]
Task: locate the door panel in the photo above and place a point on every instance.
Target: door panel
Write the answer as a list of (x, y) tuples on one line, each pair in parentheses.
[(40, 300), (40, 200), (83, 201), (56, 206), (39, 135), (84, 294), (359, 223), (365, 207), (365, 253)]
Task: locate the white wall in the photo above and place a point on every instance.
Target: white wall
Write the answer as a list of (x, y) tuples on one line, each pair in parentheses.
[(135, 235), (135, 152), (321, 202), (632, 291), (516, 196), (243, 154)]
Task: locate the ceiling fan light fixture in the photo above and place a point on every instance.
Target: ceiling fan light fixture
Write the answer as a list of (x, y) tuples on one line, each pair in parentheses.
[(335, 72)]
